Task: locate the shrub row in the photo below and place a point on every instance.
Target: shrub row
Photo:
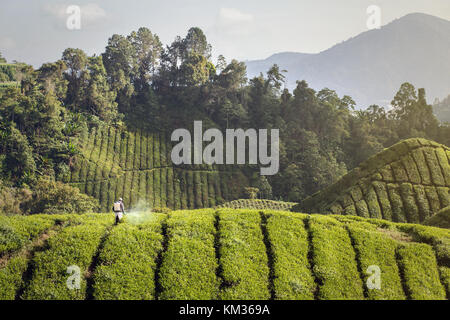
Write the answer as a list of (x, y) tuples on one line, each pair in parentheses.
[(243, 255), (75, 245), (414, 258), (334, 260), (189, 265), (11, 277), (427, 249), (127, 262), (376, 249), (288, 238), (257, 204)]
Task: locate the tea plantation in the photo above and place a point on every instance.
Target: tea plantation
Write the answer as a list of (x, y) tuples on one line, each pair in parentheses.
[(221, 254), (136, 166), (408, 182)]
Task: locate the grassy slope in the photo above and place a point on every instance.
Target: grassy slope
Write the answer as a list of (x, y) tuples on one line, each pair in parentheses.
[(137, 167), (225, 254), (408, 182)]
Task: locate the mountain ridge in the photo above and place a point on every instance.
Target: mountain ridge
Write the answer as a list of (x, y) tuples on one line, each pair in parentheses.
[(387, 56)]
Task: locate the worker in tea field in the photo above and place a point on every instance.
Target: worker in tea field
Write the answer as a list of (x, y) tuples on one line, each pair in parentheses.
[(119, 210)]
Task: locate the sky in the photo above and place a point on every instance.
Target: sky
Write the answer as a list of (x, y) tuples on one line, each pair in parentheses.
[(36, 31)]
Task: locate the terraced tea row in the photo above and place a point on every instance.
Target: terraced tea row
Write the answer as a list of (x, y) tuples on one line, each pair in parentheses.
[(408, 182), (137, 167), (234, 254), (258, 204), (134, 248)]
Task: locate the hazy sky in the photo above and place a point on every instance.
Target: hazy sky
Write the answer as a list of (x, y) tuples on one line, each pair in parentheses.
[(35, 31)]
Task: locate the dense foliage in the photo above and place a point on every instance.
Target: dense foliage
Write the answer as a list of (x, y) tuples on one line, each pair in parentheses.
[(46, 196)]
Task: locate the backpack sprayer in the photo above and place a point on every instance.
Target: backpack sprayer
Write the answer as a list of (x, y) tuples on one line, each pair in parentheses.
[(119, 210)]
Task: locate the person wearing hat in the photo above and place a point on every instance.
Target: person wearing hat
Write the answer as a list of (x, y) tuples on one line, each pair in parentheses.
[(119, 210)]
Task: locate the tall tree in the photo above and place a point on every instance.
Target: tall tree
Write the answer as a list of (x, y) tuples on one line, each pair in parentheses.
[(76, 61), (120, 64), (18, 162), (414, 116), (147, 49), (195, 43), (52, 78), (99, 99)]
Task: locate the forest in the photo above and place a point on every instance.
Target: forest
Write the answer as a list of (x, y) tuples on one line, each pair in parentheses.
[(140, 85)]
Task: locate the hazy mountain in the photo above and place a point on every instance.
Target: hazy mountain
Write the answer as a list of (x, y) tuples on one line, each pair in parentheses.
[(371, 66)]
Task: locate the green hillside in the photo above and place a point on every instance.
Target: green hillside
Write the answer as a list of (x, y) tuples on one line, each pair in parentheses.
[(137, 167), (221, 254), (408, 182)]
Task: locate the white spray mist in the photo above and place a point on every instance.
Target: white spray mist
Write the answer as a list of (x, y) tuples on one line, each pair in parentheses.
[(139, 213)]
